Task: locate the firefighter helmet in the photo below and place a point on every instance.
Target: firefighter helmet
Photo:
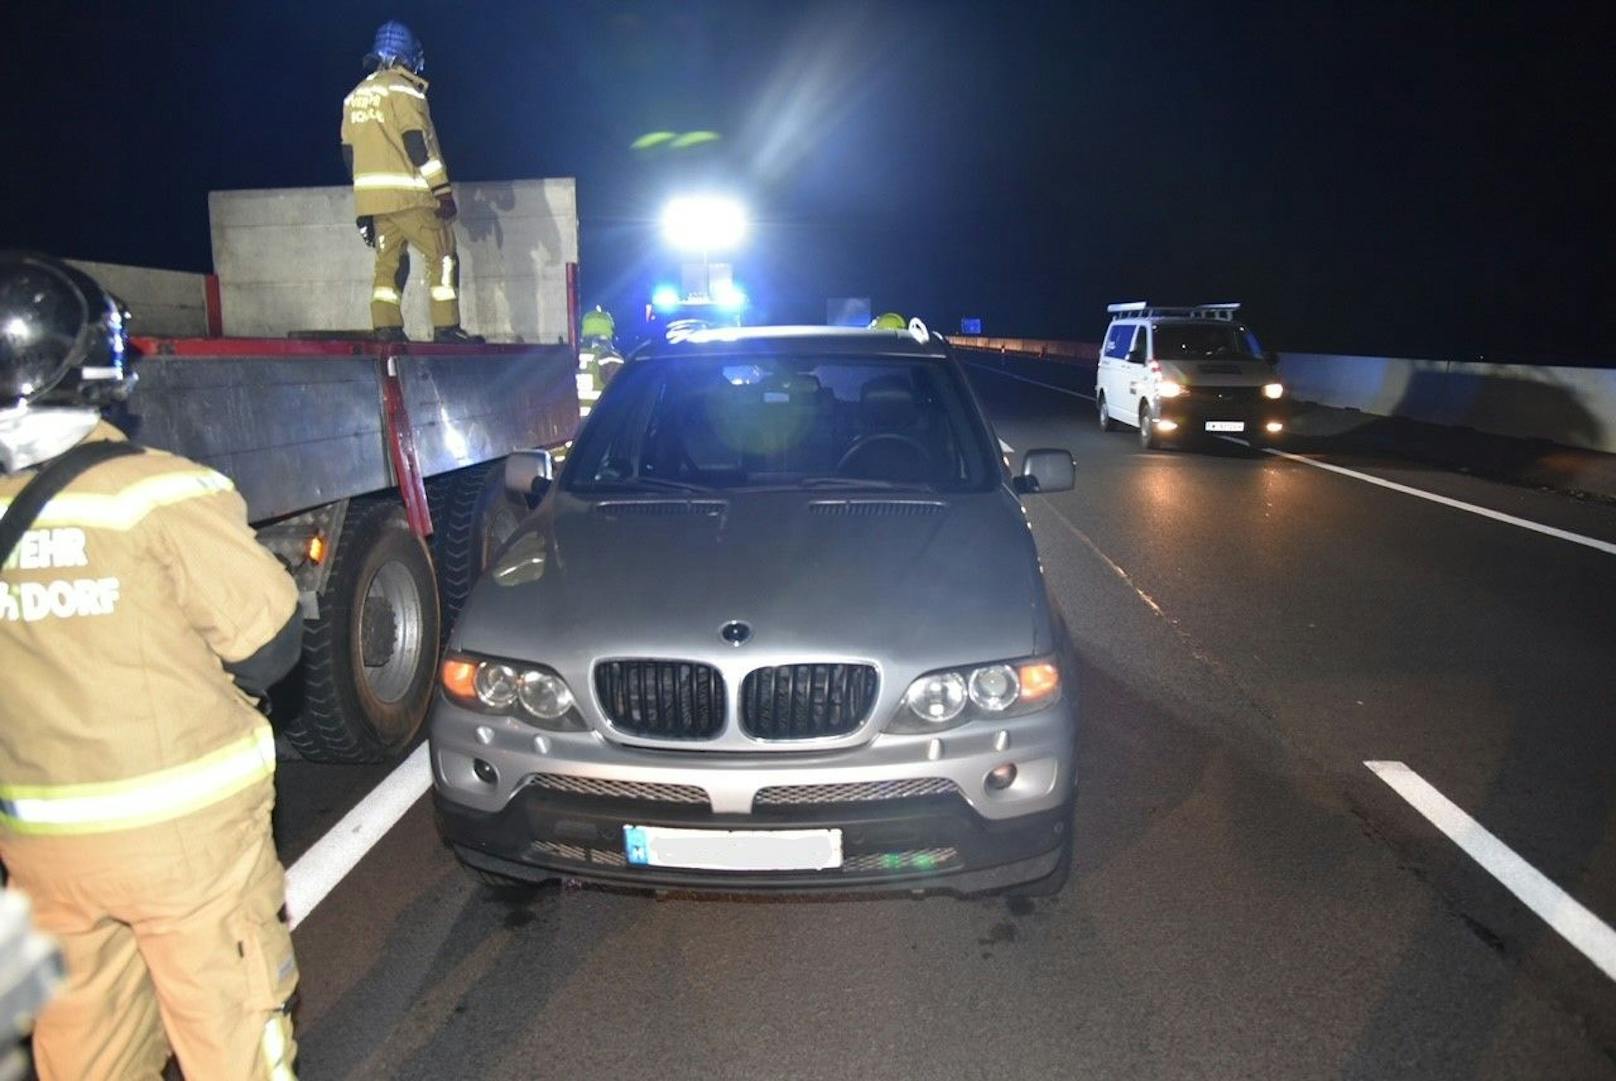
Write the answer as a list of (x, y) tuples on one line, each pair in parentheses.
[(889, 321), (62, 337), (598, 324), (396, 44)]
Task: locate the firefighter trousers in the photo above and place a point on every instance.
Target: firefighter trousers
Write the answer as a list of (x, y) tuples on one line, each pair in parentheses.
[(433, 239), (174, 937)]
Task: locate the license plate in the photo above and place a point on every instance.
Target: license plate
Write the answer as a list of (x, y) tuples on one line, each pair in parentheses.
[(1225, 425), (733, 850)]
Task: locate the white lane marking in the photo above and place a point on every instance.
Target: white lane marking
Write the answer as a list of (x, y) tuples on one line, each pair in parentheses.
[(1116, 568), (1034, 382), (1587, 932), (317, 872), (1486, 512)]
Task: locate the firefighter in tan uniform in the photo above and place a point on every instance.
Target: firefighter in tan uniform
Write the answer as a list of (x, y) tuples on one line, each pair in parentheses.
[(401, 186), (137, 614)]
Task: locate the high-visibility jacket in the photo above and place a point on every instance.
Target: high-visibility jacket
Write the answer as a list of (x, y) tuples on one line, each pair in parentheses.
[(375, 116), (118, 609), (597, 324)]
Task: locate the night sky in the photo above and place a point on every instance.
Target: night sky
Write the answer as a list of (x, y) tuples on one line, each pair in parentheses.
[(1413, 178)]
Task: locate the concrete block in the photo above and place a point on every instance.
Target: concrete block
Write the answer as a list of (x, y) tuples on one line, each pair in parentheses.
[(162, 303), (290, 259)]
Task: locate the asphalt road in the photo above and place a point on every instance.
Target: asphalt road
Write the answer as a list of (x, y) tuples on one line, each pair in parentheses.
[(1249, 900)]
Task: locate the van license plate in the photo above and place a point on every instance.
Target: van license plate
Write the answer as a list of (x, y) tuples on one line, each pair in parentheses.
[(733, 850), (1225, 425)]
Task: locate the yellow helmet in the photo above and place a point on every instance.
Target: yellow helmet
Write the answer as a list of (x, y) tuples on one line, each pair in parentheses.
[(889, 321)]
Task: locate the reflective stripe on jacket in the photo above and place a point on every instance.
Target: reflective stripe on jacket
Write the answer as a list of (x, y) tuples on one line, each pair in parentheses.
[(118, 610), (375, 116)]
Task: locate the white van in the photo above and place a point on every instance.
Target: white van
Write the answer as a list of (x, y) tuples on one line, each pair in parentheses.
[(1181, 373)]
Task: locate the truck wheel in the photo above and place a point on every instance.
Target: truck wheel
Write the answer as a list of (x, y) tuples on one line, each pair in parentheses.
[(477, 520), (1106, 423), (370, 660)]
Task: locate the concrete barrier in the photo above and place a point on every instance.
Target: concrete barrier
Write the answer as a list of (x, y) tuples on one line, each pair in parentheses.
[(1575, 407), (1572, 406), (163, 303), (291, 259)]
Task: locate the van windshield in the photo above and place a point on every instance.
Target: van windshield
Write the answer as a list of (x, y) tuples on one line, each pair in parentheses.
[(1198, 341)]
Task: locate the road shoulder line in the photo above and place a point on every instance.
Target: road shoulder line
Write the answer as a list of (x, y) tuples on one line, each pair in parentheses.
[(1448, 501), (1591, 936), (328, 861), (1034, 382)]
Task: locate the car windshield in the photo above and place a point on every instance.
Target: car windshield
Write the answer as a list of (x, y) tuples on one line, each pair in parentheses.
[(1197, 341), (764, 422)]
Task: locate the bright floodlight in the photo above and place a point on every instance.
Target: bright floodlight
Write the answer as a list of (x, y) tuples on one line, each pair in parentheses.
[(703, 223)]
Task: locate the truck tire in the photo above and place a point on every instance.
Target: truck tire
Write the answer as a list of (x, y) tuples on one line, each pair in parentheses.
[(478, 518), (370, 661)]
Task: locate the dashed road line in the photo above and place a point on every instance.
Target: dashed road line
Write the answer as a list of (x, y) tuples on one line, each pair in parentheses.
[(1592, 937)]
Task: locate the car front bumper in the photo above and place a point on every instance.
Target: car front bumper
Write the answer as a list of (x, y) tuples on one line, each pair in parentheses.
[(935, 843), (553, 805)]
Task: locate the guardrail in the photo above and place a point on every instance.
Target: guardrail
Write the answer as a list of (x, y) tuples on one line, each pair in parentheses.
[(1032, 347), (1572, 406)]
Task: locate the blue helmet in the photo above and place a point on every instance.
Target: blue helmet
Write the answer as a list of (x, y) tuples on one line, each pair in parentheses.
[(395, 44)]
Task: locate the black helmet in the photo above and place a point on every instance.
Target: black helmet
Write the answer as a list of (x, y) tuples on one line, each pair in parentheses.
[(62, 337)]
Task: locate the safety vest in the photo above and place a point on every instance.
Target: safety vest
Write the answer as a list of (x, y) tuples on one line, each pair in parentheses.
[(375, 117), (117, 610)]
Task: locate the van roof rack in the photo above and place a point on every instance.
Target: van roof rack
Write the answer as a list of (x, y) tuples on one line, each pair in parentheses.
[(1143, 309)]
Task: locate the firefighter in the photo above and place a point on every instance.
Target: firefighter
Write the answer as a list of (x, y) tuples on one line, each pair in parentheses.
[(401, 186), (598, 358), (138, 618)]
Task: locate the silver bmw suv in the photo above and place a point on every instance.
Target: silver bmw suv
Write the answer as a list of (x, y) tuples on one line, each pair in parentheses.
[(778, 624)]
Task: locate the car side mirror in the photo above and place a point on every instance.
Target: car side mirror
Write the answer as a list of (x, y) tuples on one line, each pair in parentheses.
[(1044, 471), (528, 474)]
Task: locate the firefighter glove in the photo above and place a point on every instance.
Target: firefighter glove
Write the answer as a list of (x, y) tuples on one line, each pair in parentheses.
[(367, 230), (446, 207)]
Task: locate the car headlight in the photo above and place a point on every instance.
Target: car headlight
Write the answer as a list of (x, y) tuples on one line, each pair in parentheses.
[(1273, 390), (950, 697), (528, 692), (1169, 388), (937, 698)]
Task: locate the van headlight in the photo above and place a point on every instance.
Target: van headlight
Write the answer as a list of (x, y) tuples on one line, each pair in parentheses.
[(1169, 388), (528, 692), (1273, 390), (954, 696)]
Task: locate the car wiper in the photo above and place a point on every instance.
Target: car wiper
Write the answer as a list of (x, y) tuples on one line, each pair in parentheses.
[(863, 482), (660, 484)]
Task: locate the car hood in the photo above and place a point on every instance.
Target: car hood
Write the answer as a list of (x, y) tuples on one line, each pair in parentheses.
[(905, 581), (1219, 372)]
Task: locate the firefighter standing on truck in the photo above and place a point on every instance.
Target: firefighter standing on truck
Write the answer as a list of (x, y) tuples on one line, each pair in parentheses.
[(137, 614), (401, 186)]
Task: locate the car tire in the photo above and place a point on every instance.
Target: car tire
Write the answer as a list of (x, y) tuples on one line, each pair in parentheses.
[(1148, 439), (1107, 422)]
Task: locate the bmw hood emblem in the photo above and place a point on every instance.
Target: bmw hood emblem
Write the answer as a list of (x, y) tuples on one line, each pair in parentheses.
[(735, 632)]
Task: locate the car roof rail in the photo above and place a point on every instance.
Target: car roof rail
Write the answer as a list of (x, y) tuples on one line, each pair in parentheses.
[(1143, 309)]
